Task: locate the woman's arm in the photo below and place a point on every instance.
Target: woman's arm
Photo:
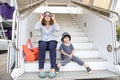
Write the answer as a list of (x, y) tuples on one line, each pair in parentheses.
[(56, 26), (38, 25), (41, 18)]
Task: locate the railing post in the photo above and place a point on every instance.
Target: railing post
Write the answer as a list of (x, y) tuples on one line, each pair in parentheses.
[(91, 4)]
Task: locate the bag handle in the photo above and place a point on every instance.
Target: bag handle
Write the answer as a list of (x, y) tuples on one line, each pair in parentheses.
[(29, 42)]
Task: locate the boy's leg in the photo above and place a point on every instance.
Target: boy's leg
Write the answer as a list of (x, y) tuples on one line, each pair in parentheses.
[(78, 60), (63, 63)]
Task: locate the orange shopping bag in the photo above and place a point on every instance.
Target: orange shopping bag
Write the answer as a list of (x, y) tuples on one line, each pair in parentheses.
[(30, 54)]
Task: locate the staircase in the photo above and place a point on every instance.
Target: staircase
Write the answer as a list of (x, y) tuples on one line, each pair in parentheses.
[(2, 31), (84, 49)]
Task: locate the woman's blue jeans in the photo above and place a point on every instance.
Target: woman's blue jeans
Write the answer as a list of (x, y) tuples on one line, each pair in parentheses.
[(43, 47)]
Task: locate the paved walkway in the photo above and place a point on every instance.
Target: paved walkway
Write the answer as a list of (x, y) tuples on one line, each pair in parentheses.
[(6, 76), (3, 67)]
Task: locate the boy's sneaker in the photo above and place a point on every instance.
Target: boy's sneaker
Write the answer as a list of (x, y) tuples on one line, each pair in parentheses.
[(89, 69), (57, 69)]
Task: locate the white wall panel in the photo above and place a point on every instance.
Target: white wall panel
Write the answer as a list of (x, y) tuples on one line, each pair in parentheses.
[(99, 30)]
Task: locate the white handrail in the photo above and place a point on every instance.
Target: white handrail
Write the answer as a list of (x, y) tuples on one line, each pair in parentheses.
[(13, 35)]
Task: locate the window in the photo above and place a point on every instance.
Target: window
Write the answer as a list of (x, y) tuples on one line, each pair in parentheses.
[(87, 2), (102, 3)]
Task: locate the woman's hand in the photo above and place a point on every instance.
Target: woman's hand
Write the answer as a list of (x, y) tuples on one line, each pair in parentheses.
[(41, 17), (53, 18)]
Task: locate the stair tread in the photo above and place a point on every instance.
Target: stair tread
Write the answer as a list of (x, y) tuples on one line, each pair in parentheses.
[(80, 45), (70, 75), (97, 59)]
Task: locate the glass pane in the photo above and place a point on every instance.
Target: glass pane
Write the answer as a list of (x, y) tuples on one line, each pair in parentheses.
[(102, 3), (87, 2), (22, 3)]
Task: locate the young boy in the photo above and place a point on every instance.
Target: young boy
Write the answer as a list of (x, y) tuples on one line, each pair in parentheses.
[(67, 53)]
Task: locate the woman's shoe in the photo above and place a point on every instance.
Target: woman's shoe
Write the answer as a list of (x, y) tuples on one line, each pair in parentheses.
[(52, 74), (42, 74)]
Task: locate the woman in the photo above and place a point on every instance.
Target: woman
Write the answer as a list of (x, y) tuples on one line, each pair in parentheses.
[(47, 25)]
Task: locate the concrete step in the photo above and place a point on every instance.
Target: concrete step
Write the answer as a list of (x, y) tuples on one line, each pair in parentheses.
[(70, 24), (95, 63), (70, 75), (63, 20), (66, 22), (72, 33), (72, 21), (73, 40), (93, 53), (59, 9), (70, 28), (83, 45)]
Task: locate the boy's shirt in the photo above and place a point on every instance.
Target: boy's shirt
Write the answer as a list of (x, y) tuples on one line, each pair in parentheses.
[(66, 49)]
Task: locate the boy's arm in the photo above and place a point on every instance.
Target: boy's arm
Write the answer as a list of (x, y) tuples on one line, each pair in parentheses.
[(64, 53), (72, 53)]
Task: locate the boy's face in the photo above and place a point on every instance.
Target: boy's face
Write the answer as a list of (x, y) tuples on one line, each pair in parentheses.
[(66, 39)]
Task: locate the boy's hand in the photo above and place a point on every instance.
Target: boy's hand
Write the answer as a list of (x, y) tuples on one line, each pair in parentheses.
[(70, 56)]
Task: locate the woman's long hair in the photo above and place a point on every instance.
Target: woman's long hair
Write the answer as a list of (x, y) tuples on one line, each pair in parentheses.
[(51, 22)]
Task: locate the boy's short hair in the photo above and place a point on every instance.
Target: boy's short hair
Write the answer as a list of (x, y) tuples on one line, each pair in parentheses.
[(64, 35)]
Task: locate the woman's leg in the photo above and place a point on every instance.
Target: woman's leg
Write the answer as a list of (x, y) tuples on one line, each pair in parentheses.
[(52, 47), (42, 49)]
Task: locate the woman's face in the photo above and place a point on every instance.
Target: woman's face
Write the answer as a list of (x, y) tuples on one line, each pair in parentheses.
[(47, 17)]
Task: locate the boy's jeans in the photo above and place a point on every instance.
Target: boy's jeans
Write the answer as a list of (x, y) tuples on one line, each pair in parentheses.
[(43, 47), (74, 58)]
